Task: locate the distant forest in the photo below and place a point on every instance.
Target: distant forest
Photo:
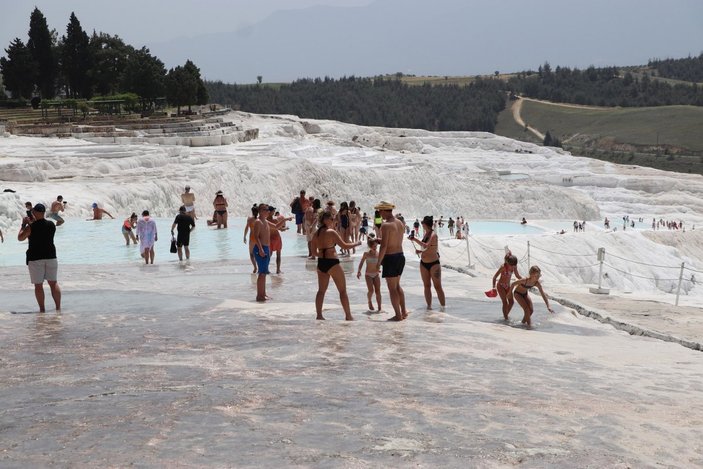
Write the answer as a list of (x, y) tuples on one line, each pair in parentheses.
[(689, 69), (602, 87), (375, 102)]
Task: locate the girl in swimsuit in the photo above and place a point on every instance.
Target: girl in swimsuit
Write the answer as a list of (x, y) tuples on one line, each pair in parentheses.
[(128, 227), (354, 221), (372, 275), (521, 288), (430, 269), (343, 224), (503, 275), (323, 244)]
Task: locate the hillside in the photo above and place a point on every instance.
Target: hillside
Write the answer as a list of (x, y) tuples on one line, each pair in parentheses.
[(664, 137)]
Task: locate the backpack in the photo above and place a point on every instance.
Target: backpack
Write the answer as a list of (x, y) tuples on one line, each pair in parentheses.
[(295, 206)]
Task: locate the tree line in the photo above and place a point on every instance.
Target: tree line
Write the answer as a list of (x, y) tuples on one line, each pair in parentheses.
[(79, 66), (386, 102), (602, 87), (688, 69)]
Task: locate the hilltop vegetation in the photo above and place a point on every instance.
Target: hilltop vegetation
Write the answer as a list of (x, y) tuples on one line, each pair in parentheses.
[(602, 87), (688, 69), (80, 67), (375, 102)]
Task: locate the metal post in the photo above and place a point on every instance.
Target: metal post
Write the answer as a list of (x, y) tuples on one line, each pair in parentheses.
[(600, 290), (528, 256), (678, 290), (468, 250)]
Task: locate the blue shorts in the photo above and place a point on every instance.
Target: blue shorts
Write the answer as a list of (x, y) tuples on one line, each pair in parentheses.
[(299, 218), (262, 263)]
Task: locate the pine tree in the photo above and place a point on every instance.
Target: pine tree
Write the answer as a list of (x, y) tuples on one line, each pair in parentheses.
[(41, 46), (76, 59), (19, 70), (181, 87)]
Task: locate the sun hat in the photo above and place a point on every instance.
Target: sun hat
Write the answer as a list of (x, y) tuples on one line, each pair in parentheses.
[(39, 208), (218, 193), (383, 205), (95, 205)]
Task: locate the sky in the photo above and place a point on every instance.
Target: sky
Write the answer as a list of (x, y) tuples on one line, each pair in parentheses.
[(237, 40), (140, 22)]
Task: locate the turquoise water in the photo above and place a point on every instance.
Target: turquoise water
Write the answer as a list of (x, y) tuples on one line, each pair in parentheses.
[(513, 176), (493, 227), (101, 242)]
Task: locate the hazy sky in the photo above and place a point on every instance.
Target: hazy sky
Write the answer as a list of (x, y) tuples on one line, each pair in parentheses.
[(236, 40), (140, 22)]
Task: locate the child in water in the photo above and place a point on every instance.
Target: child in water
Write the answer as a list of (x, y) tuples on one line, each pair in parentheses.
[(521, 288), (372, 275), (504, 276)]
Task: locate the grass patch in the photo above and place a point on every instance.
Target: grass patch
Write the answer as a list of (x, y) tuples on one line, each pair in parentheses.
[(667, 126)]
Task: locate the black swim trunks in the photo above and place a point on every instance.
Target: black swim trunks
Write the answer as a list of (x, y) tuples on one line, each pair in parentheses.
[(393, 265)]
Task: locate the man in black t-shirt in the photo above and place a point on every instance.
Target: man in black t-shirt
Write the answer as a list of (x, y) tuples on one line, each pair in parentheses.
[(41, 256), (185, 225)]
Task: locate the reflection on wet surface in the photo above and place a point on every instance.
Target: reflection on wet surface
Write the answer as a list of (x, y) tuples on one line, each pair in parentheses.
[(173, 368)]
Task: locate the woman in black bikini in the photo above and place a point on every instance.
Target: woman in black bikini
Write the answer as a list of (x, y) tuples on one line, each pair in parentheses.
[(521, 287), (430, 269), (220, 205), (323, 243)]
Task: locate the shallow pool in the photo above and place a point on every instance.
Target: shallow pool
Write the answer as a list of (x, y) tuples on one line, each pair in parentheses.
[(101, 242), (514, 176), (493, 227)]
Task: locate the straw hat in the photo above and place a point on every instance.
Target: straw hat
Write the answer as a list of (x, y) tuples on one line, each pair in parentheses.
[(384, 206)]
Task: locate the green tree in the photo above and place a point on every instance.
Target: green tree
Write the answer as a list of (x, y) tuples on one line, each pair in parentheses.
[(76, 59), (41, 46), (202, 94), (110, 56), (144, 75), (181, 87), (19, 70)]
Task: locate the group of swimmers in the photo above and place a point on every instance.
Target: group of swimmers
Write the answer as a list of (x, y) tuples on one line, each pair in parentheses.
[(326, 229)]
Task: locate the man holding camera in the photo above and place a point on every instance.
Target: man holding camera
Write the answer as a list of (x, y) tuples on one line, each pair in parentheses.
[(41, 255), (56, 207)]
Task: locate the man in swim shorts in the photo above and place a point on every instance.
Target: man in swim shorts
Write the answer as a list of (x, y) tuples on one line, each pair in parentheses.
[(56, 207), (261, 236), (391, 257), (41, 256), (185, 225)]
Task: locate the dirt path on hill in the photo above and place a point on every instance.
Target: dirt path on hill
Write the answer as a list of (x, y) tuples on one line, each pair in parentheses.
[(517, 111)]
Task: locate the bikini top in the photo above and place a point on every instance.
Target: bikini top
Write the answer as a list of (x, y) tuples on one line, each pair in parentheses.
[(372, 260), (325, 249)]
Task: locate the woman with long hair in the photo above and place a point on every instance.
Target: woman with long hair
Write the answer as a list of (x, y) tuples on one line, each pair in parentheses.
[(430, 268), (323, 244)]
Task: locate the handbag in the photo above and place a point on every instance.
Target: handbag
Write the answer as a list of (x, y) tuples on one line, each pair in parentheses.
[(174, 249)]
